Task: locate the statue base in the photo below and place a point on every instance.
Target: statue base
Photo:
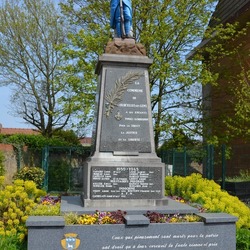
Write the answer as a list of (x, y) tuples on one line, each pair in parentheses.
[(125, 46)]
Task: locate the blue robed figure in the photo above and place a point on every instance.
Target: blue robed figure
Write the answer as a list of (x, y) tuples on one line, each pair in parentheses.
[(123, 27)]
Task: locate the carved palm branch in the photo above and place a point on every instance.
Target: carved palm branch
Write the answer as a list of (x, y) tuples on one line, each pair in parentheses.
[(114, 96)]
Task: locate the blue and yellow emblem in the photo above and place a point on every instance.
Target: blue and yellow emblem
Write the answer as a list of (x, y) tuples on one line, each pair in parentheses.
[(70, 241)]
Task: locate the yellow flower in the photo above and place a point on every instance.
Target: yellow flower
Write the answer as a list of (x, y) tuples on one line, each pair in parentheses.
[(18, 182), (24, 218), (21, 213), (21, 236), (87, 219), (2, 232), (2, 178), (173, 220), (16, 222), (10, 210), (191, 218), (8, 233), (9, 188), (19, 188), (13, 216), (5, 215), (10, 222), (30, 187)]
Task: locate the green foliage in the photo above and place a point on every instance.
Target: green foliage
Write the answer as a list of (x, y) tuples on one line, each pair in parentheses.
[(156, 217), (59, 176), (243, 176), (16, 204), (239, 123), (34, 174), (31, 63), (194, 150), (114, 217), (46, 210), (117, 217), (37, 142), (168, 30), (71, 218), (2, 158), (243, 239), (12, 243), (227, 56), (206, 192), (48, 205), (67, 136)]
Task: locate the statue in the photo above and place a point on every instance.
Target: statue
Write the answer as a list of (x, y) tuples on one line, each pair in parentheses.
[(121, 18)]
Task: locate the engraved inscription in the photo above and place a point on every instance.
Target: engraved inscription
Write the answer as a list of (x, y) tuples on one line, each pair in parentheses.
[(128, 128), (164, 241), (115, 95), (126, 182)]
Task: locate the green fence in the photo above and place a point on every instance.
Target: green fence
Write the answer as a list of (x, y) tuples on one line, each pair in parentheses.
[(203, 159), (63, 167)]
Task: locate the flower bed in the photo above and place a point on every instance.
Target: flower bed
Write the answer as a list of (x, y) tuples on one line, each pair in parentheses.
[(118, 217)]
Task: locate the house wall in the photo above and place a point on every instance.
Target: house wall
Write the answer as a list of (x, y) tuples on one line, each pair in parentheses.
[(220, 100)]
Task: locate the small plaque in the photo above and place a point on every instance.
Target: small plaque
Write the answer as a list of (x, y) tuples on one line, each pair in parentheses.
[(126, 182)]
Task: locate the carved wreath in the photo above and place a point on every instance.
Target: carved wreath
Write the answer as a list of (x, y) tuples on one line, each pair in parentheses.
[(114, 96)]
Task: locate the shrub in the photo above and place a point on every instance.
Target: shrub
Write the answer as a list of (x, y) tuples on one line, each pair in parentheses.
[(46, 210), (2, 169), (206, 192), (115, 217), (34, 174), (12, 243), (156, 217), (59, 175), (243, 176), (243, 239), (47, 206), (16, 203)]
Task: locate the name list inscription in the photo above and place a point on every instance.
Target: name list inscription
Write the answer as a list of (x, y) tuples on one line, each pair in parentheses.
[(125, 126), (163, 241), (126, 182)]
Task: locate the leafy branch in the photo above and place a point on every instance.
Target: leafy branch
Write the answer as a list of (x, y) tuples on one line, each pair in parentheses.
[(115, 95)]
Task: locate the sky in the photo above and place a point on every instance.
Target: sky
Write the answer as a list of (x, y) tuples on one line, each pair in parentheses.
[(7, 120)]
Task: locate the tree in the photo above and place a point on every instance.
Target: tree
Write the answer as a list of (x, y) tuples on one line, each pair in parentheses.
[(30, 31), (168, 30)]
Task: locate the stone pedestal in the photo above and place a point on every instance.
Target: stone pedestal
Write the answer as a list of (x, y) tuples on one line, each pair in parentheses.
[(217, 232), (124, 168)]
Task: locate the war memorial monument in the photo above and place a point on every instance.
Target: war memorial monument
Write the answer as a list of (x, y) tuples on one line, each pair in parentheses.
[(124, 172)]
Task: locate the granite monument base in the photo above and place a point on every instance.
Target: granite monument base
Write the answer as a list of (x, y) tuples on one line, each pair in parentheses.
[(111, 180), (74, 204), (217, 232)]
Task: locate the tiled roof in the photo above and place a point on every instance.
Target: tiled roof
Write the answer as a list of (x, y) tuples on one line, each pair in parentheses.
[(13, 131), (86, 141)]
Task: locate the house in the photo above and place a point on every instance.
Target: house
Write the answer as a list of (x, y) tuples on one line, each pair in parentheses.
[(220, 101)]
